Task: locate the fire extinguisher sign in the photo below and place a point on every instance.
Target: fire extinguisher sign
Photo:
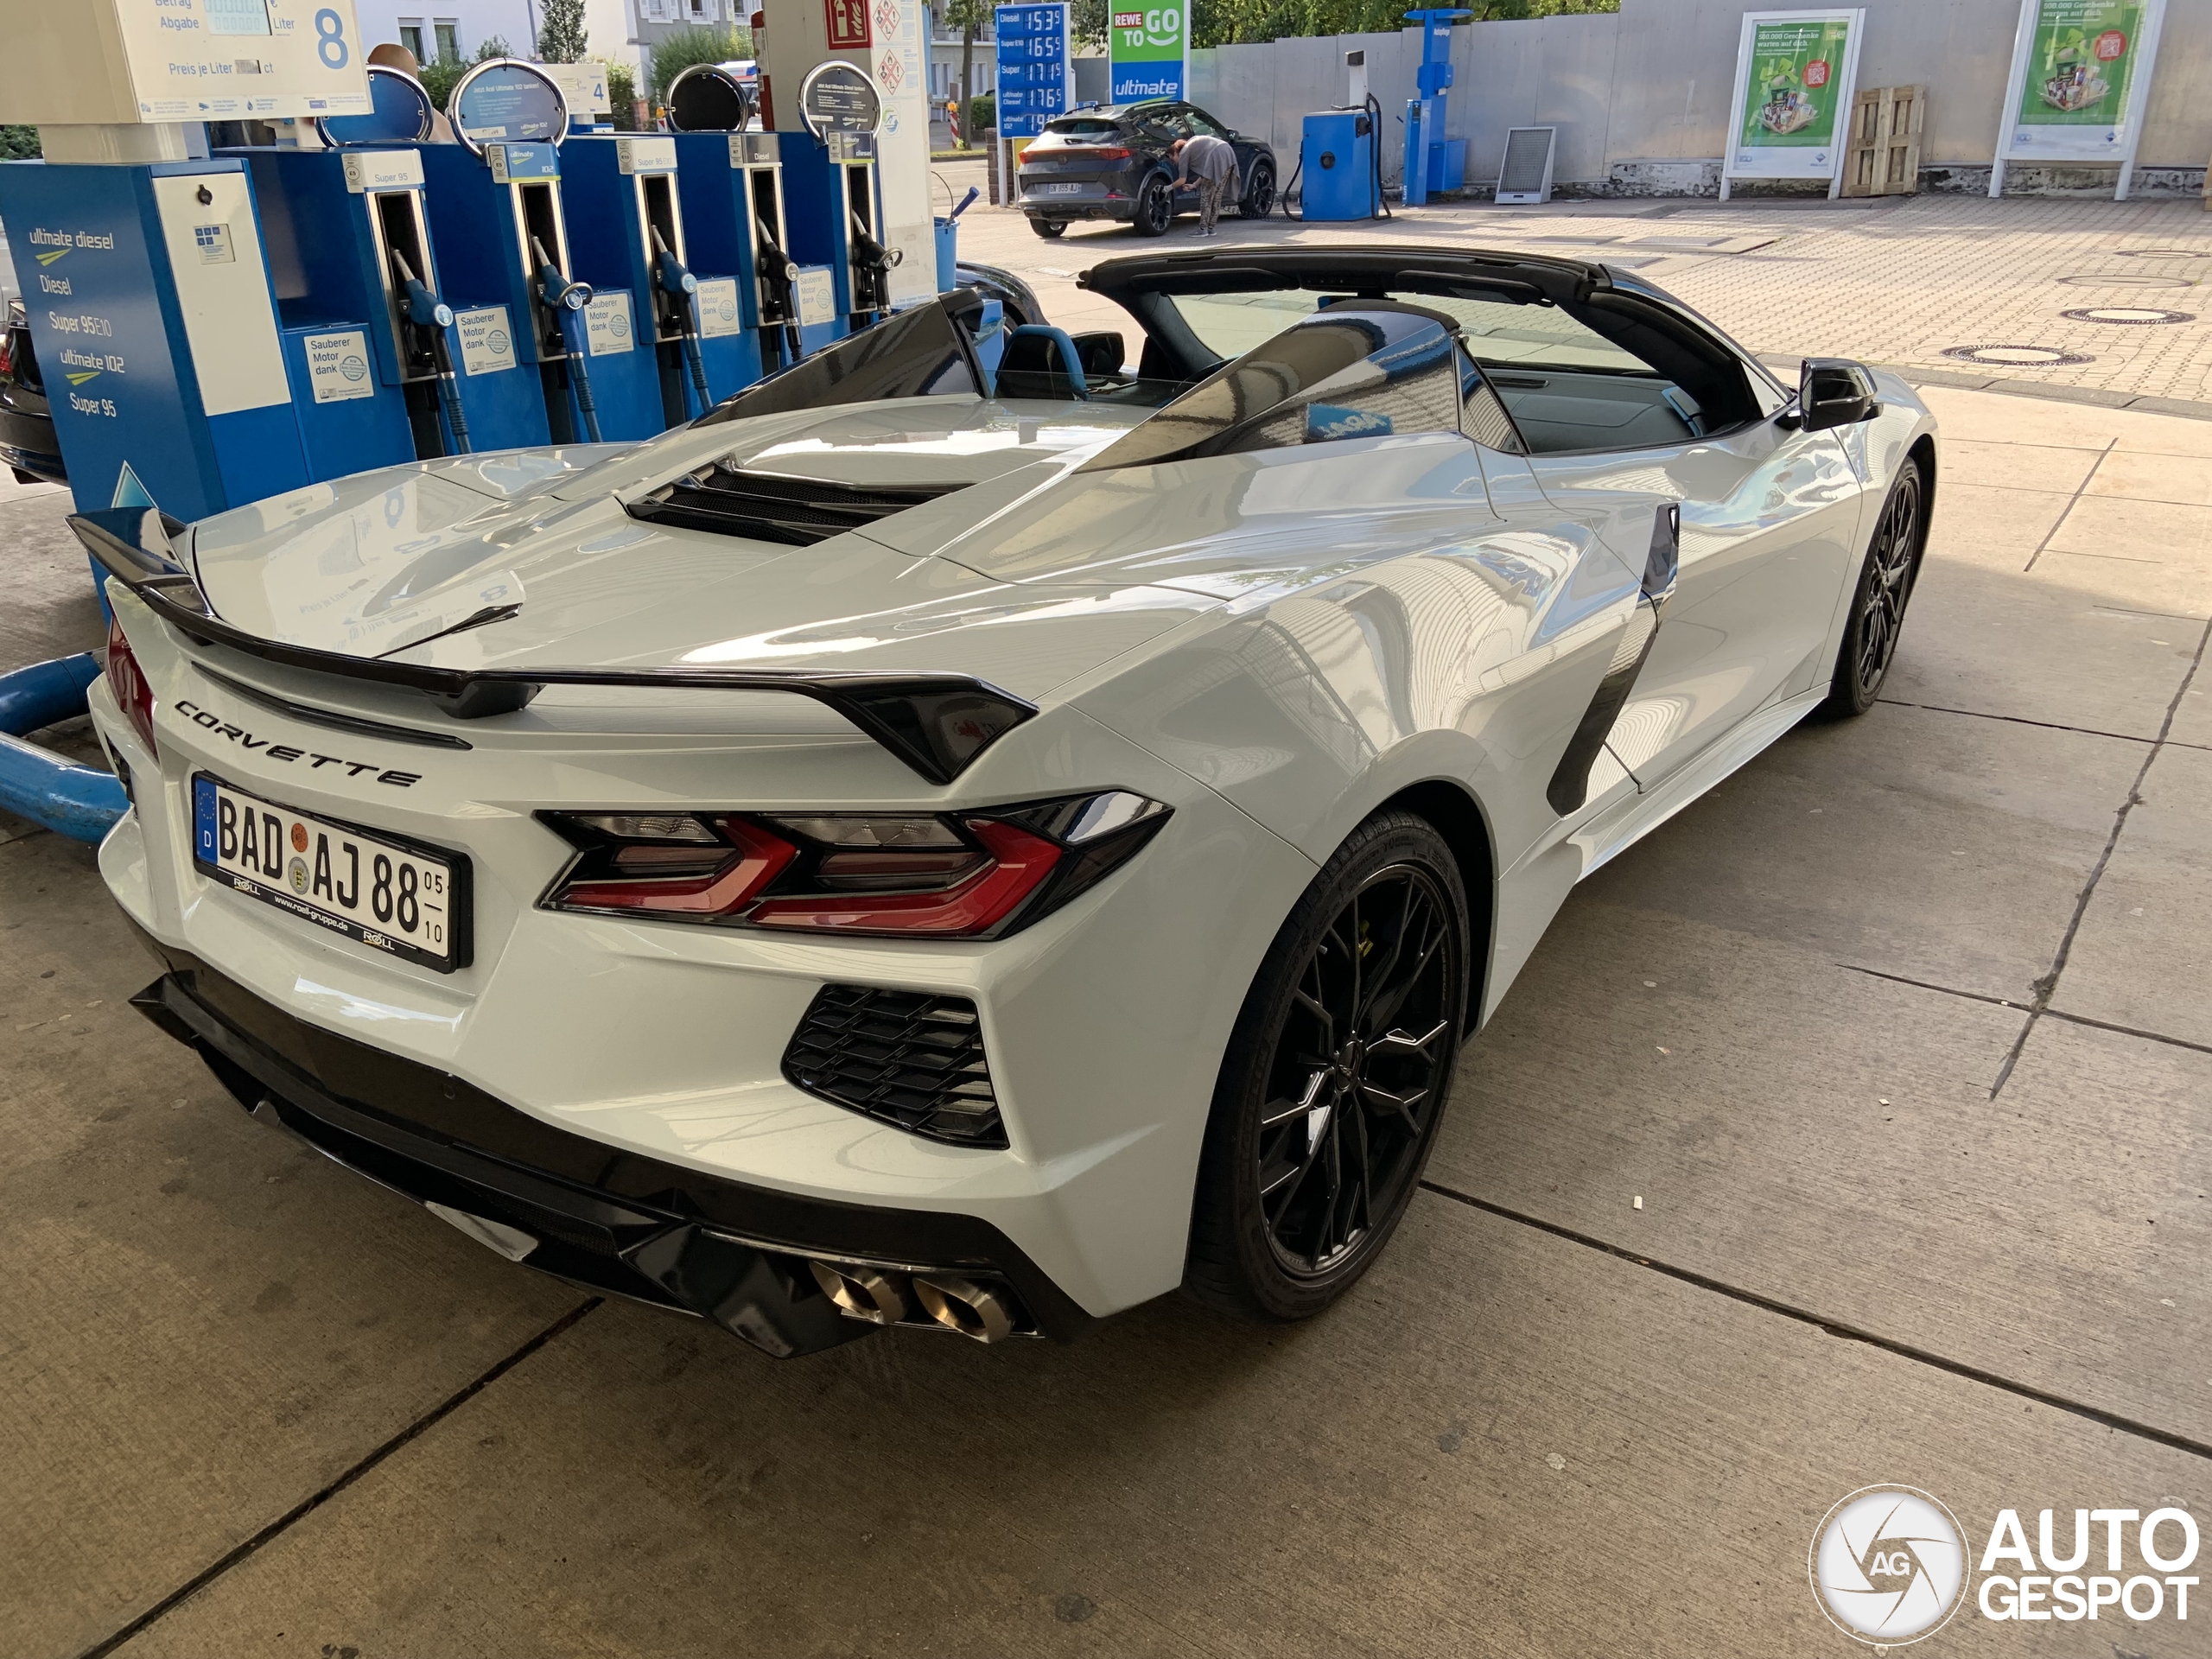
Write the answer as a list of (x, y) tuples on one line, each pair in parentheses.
[(847, 20)]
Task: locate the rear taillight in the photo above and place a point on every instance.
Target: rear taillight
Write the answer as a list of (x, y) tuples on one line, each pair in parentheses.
[(1102, 152), (128, 681), (7, 359), (945, 875)]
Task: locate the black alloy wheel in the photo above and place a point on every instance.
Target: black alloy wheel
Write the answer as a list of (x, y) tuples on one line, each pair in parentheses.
[(1336, 1078), (1260, 194), (1048, 228), (1155, 208), (1870, 639)]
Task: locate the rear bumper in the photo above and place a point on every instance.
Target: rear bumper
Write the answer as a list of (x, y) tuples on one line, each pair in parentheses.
[(27, 442), (601, 1216), (1122, 209)]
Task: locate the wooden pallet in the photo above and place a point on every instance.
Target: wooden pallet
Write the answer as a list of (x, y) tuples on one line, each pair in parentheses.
[(1882, 158)]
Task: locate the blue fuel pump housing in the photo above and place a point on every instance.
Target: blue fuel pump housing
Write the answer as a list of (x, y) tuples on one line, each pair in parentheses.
[(835, 202), (1336, 160), (648, 371), (732, 186), (1432, 163)]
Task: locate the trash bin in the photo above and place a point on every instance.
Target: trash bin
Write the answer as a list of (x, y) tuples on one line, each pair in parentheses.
[(948, 254)]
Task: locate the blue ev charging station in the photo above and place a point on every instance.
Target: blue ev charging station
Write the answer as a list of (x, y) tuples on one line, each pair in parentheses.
[(1432, 162), (833, 198), (732, 188), (495, 206)]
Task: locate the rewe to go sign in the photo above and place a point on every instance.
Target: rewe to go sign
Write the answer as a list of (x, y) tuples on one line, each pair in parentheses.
[(1151, 53)]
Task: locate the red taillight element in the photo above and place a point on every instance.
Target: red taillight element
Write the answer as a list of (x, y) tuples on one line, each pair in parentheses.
[(1103, 153), (128, 681), (952, 875)]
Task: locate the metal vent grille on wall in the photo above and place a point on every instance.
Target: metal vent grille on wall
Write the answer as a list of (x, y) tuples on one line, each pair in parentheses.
[(1526, 177), (913, 1060)]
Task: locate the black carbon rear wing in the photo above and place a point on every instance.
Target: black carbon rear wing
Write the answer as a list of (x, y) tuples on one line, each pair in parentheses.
[(937, 723)]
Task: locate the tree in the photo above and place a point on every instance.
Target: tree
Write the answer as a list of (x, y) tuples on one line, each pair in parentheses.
[(967, 16), (439, 79), (622, 93), (561, 34), (680, 50)]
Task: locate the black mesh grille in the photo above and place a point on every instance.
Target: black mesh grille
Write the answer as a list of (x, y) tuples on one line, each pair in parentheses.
[(913, 1060)]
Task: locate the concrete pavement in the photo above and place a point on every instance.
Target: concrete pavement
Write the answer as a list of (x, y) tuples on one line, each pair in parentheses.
[(1899, 1037)]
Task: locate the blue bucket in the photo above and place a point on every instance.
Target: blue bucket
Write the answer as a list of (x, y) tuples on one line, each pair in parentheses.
[(948, 255)]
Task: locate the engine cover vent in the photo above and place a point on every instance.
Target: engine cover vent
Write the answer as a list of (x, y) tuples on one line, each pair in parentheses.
[(908, 1058), (772, 507)]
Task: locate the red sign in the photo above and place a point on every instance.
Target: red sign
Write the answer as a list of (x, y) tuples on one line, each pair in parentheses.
[(1816, 73), (847, 23), (2110, 45)]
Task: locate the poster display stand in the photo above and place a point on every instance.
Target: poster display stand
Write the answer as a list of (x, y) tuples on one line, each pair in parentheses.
[(2080, 83), (1796, 73)]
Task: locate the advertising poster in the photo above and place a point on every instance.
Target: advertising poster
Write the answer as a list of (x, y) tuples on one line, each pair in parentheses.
[(2080, 78), (1795, 72), (1151, 53)]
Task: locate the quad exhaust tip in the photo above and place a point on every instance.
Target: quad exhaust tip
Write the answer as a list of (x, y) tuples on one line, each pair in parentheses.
[(980, 1311)]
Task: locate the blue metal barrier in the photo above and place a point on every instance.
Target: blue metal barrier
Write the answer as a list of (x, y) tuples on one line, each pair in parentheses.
[(82, 803)]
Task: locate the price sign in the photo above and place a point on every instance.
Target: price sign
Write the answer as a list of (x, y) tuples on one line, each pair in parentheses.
[(1035, 68)]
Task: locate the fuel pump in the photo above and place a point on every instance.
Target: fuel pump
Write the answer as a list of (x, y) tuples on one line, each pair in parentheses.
[(533, 350), (834, 196), (363, 330), (731, 188), (624, 187)]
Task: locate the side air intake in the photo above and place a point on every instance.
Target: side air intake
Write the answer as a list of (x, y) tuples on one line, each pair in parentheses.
[(771, 507), (913, 1060)]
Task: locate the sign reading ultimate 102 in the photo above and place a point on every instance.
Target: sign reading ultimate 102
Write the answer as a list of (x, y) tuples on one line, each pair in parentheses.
[(1036, 74), (120, 62), (1151, 53)]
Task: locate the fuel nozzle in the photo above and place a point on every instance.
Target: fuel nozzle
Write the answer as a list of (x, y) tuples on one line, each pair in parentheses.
[(425, 308), (553, 286), (869, 252), (669, 271)]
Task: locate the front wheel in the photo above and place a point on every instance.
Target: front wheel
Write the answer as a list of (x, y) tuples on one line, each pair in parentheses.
[(1870, 638), (1260, 194), (1048, 228), (1335, 1078), (1155, 208)]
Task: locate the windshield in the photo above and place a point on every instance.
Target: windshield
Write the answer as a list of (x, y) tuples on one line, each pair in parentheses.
[(1533, 335), (924, 353), (1359, 369)]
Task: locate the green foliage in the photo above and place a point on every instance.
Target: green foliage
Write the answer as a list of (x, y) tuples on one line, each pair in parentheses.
[(19, 144), (439, 79), (1230, 22), (689, 46), (983, 112), (561, 34), (622, 93)]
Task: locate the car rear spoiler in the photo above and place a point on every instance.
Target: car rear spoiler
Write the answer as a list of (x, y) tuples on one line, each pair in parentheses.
[(937, 723)]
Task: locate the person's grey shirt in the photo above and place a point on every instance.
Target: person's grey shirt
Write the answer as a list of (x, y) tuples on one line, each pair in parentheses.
[(1209, 157)]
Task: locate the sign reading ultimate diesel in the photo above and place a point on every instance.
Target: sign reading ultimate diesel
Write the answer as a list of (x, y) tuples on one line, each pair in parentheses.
[(1151, 52), (123, 62)]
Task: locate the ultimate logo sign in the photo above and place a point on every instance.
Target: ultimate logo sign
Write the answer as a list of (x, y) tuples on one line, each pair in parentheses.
[(1151, 53)]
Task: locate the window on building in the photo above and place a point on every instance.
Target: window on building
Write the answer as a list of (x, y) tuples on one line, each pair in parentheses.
[(448, 38), (410, 36)]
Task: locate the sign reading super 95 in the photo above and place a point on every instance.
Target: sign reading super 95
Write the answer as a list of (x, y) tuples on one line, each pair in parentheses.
[(1035, 74), (227, 59)]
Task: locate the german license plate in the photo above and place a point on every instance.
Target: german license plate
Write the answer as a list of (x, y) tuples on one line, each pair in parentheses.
[(392, 895), (1056, 189)]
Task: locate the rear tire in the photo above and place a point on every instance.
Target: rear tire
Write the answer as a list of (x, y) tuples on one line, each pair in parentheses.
[(1336, 1078), (1048, 228), (1155, 208), (1260, 193), (1886, 583)]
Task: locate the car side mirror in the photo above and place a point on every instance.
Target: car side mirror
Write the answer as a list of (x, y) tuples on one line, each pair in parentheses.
[(1835, 392)]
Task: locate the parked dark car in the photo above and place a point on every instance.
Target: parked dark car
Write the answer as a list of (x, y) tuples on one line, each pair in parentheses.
[(27, 442), (1111, 162)]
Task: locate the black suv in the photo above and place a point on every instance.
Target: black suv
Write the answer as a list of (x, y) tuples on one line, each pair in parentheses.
[(26, 441), (1111, 162)]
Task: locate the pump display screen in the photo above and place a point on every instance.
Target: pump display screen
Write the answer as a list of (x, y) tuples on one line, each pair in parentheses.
[(237, 16)]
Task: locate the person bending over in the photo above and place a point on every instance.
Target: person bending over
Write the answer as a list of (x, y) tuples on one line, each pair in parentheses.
[(1212, 164)]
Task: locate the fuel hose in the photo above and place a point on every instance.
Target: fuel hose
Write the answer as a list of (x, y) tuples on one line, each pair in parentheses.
[(432, 317), (568, 300)]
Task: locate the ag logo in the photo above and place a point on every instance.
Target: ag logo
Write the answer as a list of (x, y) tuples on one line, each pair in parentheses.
[(1889, 1565)]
